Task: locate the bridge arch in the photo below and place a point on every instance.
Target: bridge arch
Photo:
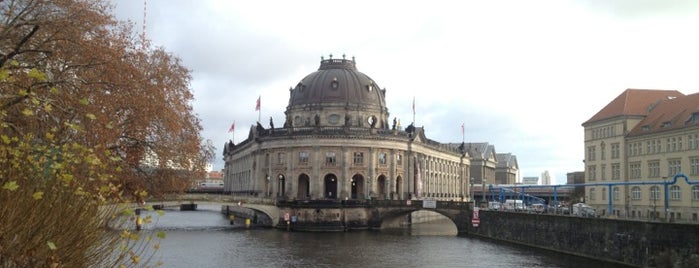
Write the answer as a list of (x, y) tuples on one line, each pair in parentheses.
[(389, 217)]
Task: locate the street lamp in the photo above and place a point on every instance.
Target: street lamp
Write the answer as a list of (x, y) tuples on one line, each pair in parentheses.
[(471, 191)]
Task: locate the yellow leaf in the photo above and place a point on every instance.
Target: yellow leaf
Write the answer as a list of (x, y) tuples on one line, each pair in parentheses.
[(48, 107), (67, 177), (49, 136), (91, 116), (53, 90), (38, 195), (10, 185), (51, 245), (27, 112), (23, 92), (5, 139), (161, 234), (83, 101), (36, 74)]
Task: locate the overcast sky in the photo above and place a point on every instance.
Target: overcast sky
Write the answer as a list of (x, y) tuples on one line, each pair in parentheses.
[(521, 75)]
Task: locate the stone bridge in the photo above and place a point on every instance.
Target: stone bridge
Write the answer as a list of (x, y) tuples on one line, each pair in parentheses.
[(328, 215)]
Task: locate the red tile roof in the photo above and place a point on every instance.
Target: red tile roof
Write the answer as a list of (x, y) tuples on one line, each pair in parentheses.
[(633, 102), (669, 114), (215, 175)]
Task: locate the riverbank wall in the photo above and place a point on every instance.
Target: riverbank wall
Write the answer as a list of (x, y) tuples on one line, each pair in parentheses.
[(628, 242)]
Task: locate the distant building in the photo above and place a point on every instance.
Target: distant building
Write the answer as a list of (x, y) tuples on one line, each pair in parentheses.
[(507, 169), (530, 180), (483, 162), (545, 178), (214, 175), (577, 177), (644, 136)]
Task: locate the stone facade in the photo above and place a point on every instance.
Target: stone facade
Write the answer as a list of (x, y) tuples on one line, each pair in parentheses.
[(636, 143), (338, 143)]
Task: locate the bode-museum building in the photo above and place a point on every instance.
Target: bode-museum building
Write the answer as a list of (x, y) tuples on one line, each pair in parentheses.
[(339, 142)]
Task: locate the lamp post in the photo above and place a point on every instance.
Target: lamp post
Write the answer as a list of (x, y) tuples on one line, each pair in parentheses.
[(471, 192)]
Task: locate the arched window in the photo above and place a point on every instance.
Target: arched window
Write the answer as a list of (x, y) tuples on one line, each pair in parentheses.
[(636, 193), (654, 193), (675, 193), (604, 193)]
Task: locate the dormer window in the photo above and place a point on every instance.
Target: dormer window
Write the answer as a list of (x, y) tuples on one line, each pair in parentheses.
[(666, 124), (695, 117), (334, 84), (370, 87), (645, 128)]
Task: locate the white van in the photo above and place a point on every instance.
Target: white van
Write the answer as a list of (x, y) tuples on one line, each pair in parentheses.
[(514, 205)]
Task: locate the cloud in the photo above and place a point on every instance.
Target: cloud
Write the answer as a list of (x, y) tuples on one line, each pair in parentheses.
[(522, 75)]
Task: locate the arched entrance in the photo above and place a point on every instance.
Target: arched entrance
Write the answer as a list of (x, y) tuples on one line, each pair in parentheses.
[(330, 186), (357, 184), (304, 191), (382, 185), (398, 190), (281, 185)]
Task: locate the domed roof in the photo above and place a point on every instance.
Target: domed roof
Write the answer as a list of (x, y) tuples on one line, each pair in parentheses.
[(337, 82)]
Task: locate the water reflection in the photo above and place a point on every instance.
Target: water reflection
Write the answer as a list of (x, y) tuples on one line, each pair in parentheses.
[(206, 239)]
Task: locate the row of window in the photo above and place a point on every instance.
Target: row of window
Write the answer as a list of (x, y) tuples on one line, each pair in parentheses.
[(653, 193), (614, 150), (603, 132), (331, 159), (672, 144), (674, 166), (592, 172)]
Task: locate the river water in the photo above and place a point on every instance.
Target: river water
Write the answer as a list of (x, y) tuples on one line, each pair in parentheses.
[(204, 238)]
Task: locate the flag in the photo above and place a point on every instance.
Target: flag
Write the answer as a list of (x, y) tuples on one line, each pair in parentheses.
[(232, 127), (257, 105), (462, 128), (413, 105)]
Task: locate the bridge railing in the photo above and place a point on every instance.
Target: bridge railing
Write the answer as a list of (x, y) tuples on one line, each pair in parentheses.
[(334, 203)]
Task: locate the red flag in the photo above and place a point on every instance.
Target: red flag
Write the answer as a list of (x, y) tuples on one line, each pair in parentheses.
[(257, 106), (232, 127)]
